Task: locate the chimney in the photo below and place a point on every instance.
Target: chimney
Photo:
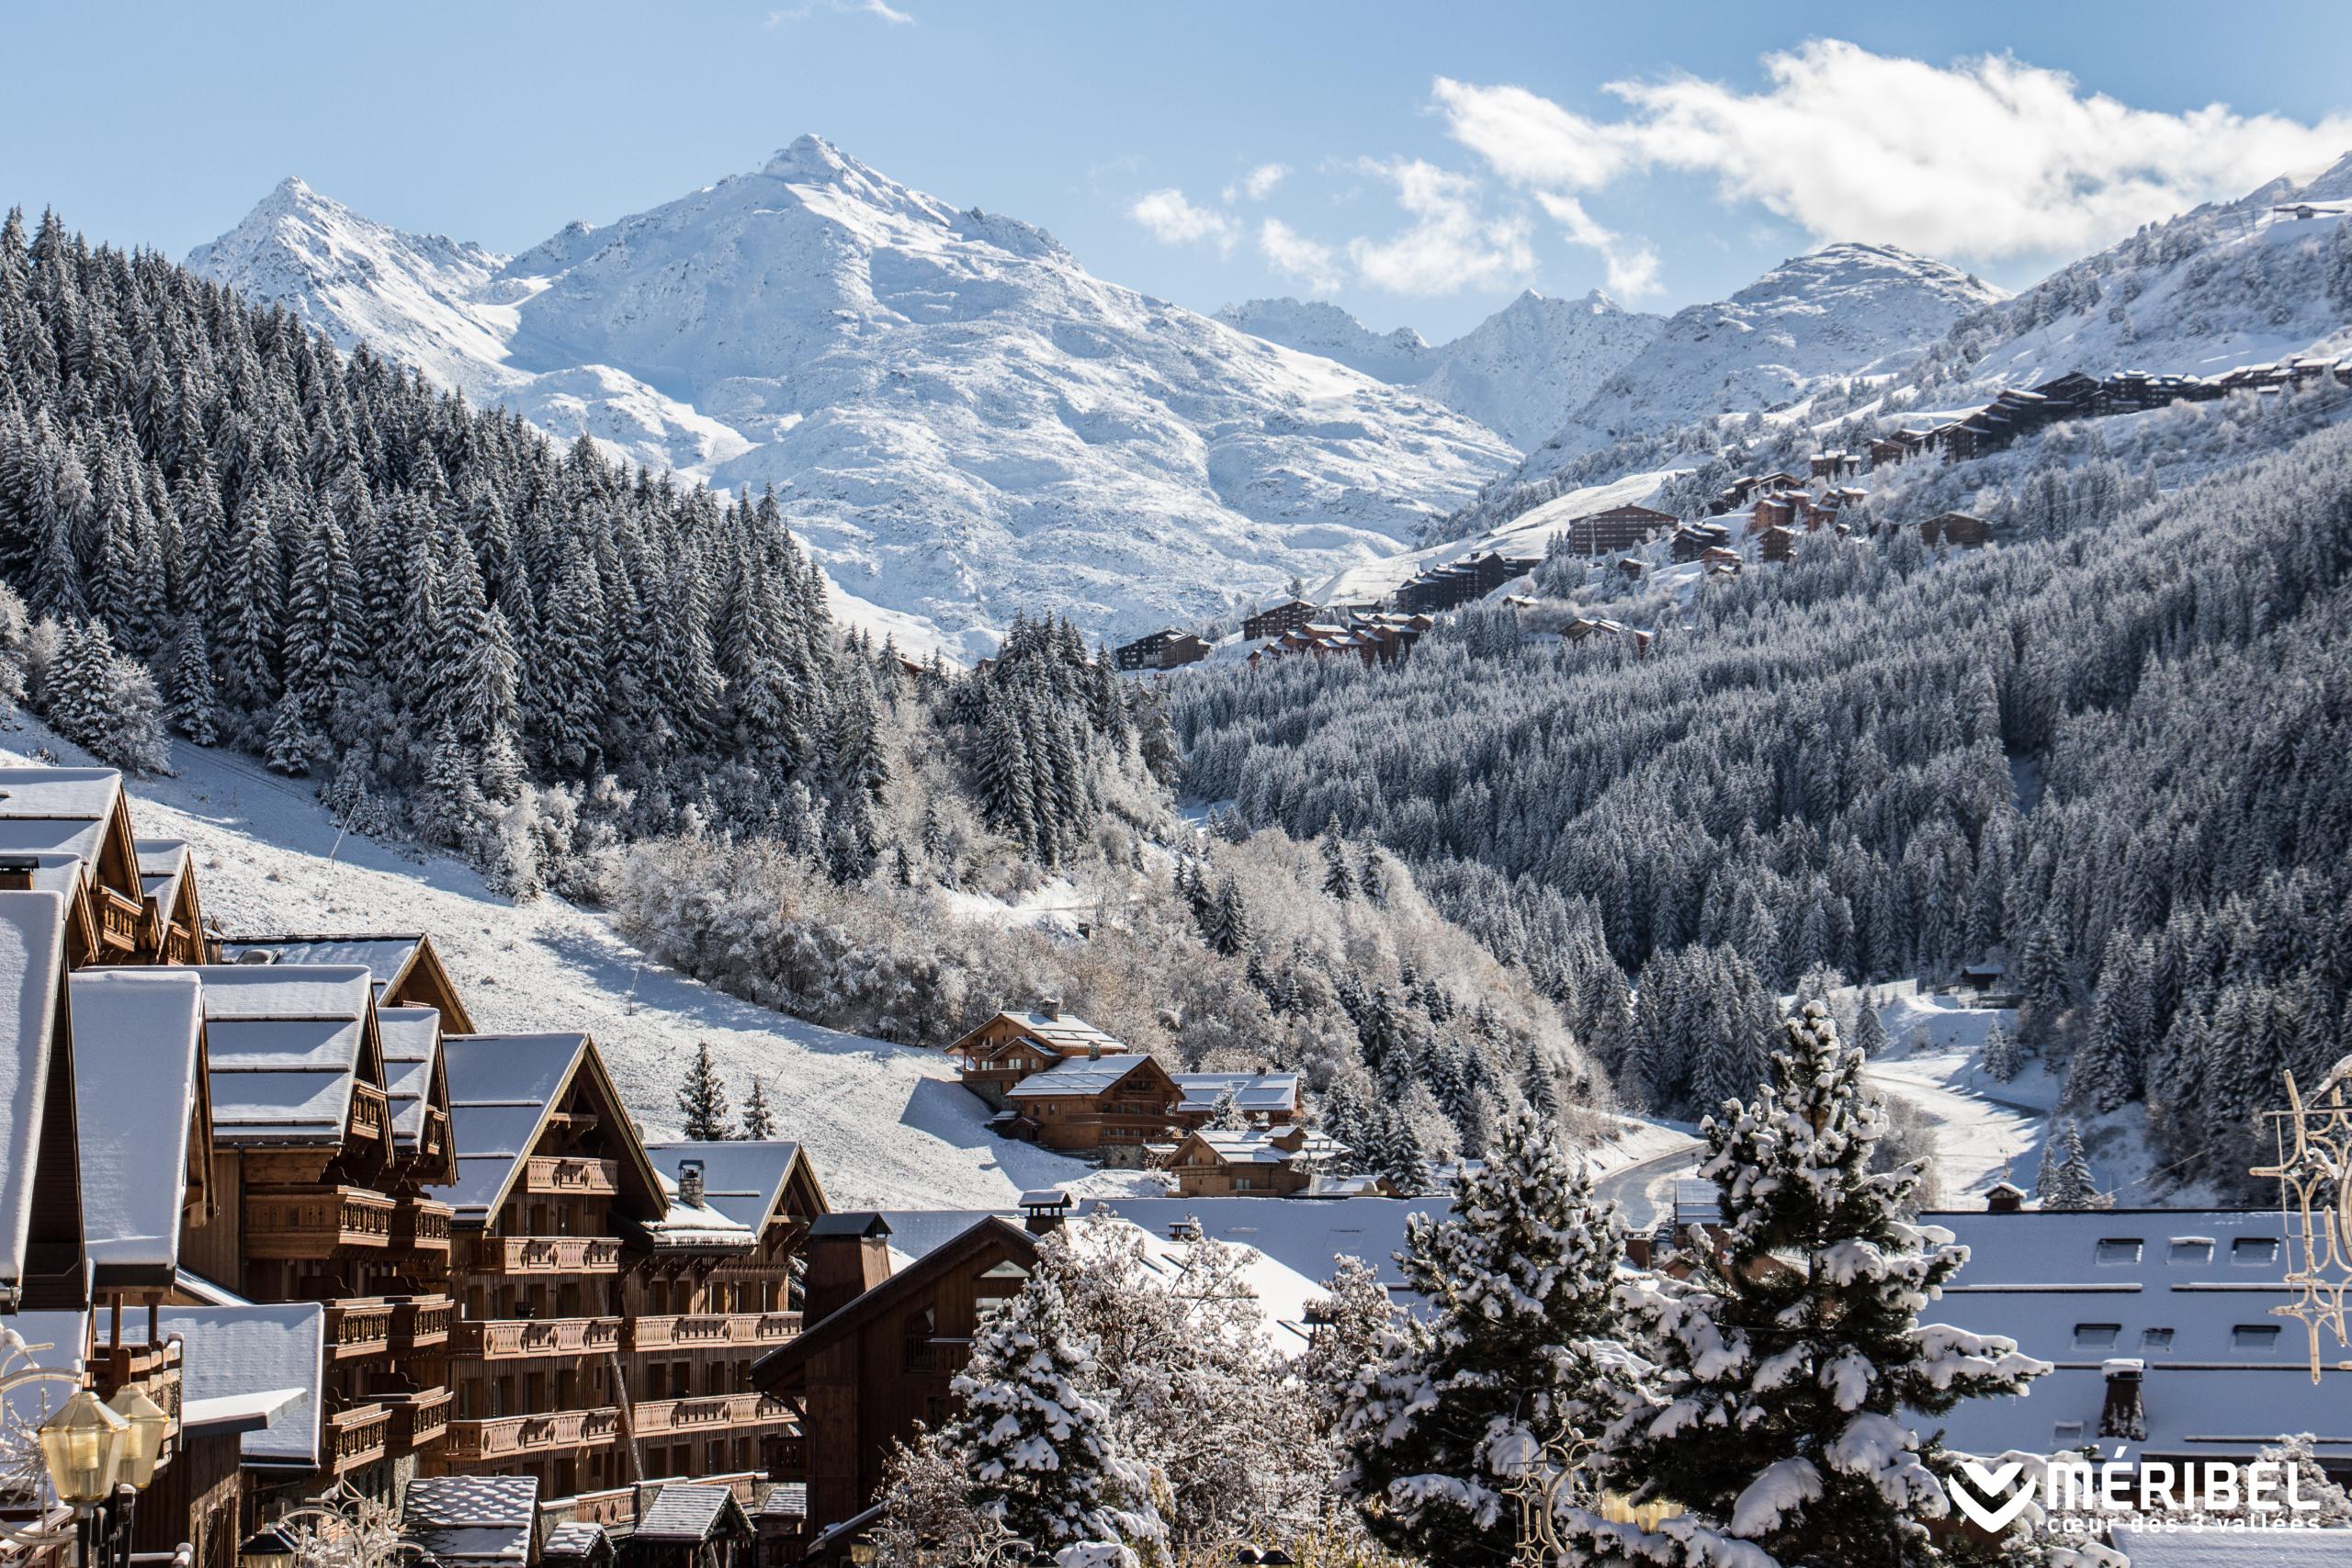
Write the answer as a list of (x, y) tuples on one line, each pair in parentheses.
[(1638, 1251), (1094, 1050), (2004, 1198), (690, 1182), (2125, 1415), (848, 1256), (1049, 1007), (1044, 1210)]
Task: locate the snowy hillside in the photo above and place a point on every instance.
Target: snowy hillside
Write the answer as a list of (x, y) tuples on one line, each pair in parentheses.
[(1523, 372), (887, 1125), (964, 423)]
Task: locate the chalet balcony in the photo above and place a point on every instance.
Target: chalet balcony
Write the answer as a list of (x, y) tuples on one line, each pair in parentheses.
[(421, 1322), (421, 1224), (566, 1175), (694, 1332), (418, 1419), (315, 1222), (520, 1339), (358, 1437), (517, 1437), (703, 1413), (121, 919), (548, 1255), (358, 1325), (371, 1114), (617, 1505)]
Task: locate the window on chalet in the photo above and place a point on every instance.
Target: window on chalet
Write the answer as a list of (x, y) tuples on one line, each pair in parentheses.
[(916, 1353), (2191, 1249), (2155, 1339), (2257, 1251), (2097, 1335), (2116, 1249), (2066, 1434), (2253, 1336)]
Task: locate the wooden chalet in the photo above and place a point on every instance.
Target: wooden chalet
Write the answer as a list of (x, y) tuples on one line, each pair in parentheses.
[(1957, 529), (1693, 540), (1012, 1045), (1776, 542), (1721, 562), (693, 1526), (882, 1349), (1776, 511), (1834, 465), (1585, 628), (176, 932), (84, 814), (1264, 1099), (1630, 570), (1259, 1162), (1166, 649), (408, 972), (1109, 1105), (1289, 616), (1619, 528), (1459, 582)]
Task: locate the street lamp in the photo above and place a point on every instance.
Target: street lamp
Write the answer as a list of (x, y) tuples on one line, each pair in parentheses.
[(82, 1445), (268, 1546), (143, 1445)]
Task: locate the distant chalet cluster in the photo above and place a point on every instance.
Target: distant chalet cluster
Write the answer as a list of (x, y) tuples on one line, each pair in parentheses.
[(1773, 510)]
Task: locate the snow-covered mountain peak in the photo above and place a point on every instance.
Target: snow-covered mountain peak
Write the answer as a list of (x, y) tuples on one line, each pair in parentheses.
[(1844, 272), (808, 156)]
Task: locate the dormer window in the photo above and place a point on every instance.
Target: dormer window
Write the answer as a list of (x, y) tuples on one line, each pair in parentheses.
[(2112, 1251), (2261, 1337), (2255, 1251), (2097, 1335), (2191, 1250)]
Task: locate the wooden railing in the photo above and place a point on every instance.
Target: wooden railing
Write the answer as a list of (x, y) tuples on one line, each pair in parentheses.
[(433, 1132), (372, 1112), (315, 1222), (548, 1255), (358, 1436), (572, 1174), (653, 1417), (419, 1418), (358, 1325), (615, 1506), (119, 918), (421, 1224), (420, 1322), (513, 1338), (502, 1437), (696, 1330)]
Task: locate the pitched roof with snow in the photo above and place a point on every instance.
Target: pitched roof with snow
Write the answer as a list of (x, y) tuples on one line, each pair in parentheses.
[(683, 1512), (386, 955), (1261, 1093), (500, 1088), (32, 960), (1255, 1146), (411, 1040), (1307, 1234), (1077, 1076), (694, 1227), (742, 1179), (138, 1055), (233, 1351), (286, 1043), (574, 1540), (163, 865), (1065, 1033), (472, 1519)]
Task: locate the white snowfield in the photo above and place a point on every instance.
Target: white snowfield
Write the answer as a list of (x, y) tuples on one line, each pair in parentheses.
[(887, 1125), (963, 422)]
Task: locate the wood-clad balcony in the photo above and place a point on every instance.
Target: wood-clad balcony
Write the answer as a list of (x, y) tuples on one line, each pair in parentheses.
[(520, 1339), (615, 1506), (548, 1255), (421, 1224), (422, 1323), (572, 1175), (702, 1413), (120, 921), (515, 1436), (418, 1419), (712, 1330), (358, 1325), (315, 1222), (358, 1437), (371, 1114), (432, 1133)]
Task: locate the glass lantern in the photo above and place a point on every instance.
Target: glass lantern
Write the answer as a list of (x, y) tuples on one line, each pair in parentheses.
[(82, 1445), (143, 1448)]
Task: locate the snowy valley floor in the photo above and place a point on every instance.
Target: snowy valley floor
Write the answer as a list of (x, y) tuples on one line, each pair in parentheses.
[(887, 1125)]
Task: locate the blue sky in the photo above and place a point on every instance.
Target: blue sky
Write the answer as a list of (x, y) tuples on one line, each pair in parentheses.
[(1433, 161)]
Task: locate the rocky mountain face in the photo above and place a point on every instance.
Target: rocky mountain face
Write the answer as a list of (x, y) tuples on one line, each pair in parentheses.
[(961, 420)]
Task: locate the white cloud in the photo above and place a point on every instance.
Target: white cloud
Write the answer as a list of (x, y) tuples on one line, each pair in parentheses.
[(1452, 245), (1259, 183), (1632, 263), (1313, 263), (1985, 158), (879, 9), (1175, 221)]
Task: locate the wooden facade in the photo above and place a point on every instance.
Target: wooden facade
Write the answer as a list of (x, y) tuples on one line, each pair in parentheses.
[(1106, 1105), (1619, 528), (1290, 615)]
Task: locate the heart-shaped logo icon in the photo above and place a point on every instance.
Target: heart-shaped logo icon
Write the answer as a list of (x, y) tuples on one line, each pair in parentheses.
[(1988, 1484)]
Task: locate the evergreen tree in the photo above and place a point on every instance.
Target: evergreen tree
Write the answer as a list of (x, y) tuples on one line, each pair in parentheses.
[(194, 708), (2004, 1059), (1516, 1348), (2065, 1181), (702, 1098), (759, 1120), (1339, 881), (1870, 1031), (1788, 1368)]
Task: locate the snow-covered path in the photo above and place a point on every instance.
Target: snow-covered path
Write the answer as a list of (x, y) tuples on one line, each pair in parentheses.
[(887, 1125), (1981, 1130)]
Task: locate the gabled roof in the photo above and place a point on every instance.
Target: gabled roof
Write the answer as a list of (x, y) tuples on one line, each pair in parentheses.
[(286, 1042), (77, 810), (691, 1227), (790, 1357), (683, 1512), (575, 1540), (744, 1178), (1256, 1147), (502, 1091), (33, 965), (1263, 1092), (1065, 1033), (405, 963), (472, 1519), (1079, 1075), (141, 1097), (163, 866), (411, 1038), (232, 1351)]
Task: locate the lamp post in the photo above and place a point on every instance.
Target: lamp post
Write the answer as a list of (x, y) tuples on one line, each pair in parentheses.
[(92, 1456)]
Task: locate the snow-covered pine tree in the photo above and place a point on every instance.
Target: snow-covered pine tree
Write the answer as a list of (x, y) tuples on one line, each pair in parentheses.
[(2065, 1181), (1352, 1320), (193, 710), (759, 1117), (702, 1098), (1036, 1440), (1339, 881), (1870, 1031), (2003, 1057), (1519, 1347), (1229, 926), (1786, 1370)]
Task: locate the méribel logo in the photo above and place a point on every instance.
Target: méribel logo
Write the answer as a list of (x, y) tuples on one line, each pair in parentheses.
[(1981, 1494)]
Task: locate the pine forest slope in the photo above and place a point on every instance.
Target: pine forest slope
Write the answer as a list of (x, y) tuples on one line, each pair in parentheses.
[(962, 420)]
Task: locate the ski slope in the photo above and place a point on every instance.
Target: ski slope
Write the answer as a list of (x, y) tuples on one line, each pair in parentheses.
[(887, 1126)]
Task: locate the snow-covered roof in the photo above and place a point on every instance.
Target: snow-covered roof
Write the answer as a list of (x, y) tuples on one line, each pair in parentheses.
[(137, 1038), (386, 955), (1064, 1031), (742, 1179), (285, 1043), (411, 1040), (204, 1291), (32, 959), (572, 1540), (1255, 1146), (62, 1334), (162, 864), (693, 1226), (500, 1086), (237, 1413), (684, 1512), (1307, 1234), (88, 794), (56, 871), (1258, 1093), (472, 1519), (232, 1351), (1077, 1075)]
